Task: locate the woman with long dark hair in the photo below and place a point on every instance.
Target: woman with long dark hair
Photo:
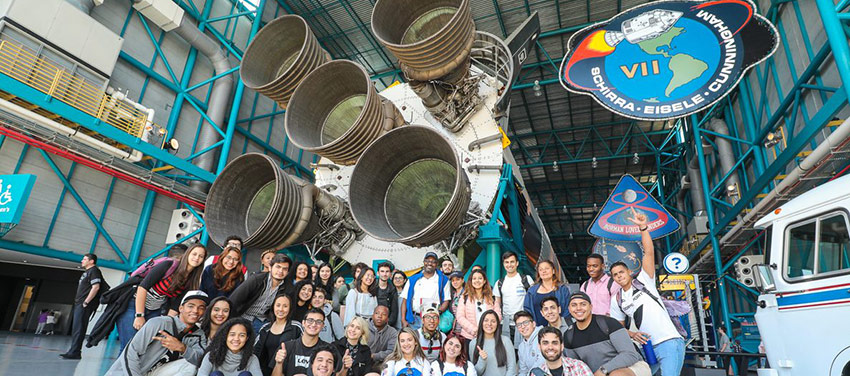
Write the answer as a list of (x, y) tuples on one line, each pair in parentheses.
[(453, 360), (339, 293), (279, 329), (493, 353), (324, 278), (548, 284), (354, 347), (362, 300), (477, 298), (399, 280), (163, 283), (230, 353), (218, 311), (302, 295), (407, 358), (222, 277)]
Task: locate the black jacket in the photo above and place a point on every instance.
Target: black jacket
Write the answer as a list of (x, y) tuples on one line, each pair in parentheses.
[(290, 332), (389, 298), (248, 292), (361, 355), (116, 300)]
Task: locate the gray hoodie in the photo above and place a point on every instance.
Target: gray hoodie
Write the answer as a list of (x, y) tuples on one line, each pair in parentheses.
[(381, 342), (143, 352), (333, 329), (529, 352)]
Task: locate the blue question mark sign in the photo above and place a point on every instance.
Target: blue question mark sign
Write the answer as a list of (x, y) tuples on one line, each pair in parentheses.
[(676, 263)]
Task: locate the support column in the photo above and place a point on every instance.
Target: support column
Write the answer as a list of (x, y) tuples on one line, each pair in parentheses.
[(493, 268)]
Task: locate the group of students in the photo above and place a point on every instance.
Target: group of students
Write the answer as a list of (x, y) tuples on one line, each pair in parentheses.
[(184, 318)]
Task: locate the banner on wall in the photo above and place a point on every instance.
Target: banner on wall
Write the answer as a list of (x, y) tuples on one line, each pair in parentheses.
[(629, 198), (14, 192), (667, 59)]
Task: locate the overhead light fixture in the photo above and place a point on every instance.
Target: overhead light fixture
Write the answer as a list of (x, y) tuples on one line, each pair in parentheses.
[(636, 159), (594, 163), (595, 207), (564, 209), (732, 190), (538, 90), (571, 236), (575, 254), (577, 268), (772, 139), (172, 144), (555, 166)]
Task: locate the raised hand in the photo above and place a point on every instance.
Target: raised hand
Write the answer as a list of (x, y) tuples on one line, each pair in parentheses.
[(170, 342), (280, 356), (638, 218), (347, 360), (481, 353)]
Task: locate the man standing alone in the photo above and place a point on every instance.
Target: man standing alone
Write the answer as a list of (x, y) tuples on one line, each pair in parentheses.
[(84, 304)]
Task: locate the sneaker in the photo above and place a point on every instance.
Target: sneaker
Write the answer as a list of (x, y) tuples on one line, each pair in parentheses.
[(70, 356)]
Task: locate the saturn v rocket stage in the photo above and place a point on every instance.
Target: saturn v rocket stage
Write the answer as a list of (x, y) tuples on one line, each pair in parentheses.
[(412, 169)]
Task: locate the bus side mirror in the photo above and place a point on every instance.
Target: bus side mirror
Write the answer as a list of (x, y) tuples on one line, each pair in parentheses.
[(764, 278)]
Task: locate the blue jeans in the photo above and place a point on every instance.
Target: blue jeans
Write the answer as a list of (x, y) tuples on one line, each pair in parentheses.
[(257, 324), (126, 331), (671, 356), (417, 321)]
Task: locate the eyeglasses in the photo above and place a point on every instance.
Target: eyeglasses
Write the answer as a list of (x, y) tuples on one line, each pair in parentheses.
[(313, 322), (431, 318), (523, 324), (231, 259)]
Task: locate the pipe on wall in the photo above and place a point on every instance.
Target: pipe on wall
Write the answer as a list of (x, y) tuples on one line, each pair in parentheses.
[(220, 96), (725, 154)]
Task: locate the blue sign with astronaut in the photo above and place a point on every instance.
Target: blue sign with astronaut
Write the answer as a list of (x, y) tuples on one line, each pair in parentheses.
[(629, 198), (629, 253), (667, 59), (14, 192)]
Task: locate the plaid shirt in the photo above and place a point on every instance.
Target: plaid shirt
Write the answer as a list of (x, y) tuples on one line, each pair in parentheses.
[(572, 367)]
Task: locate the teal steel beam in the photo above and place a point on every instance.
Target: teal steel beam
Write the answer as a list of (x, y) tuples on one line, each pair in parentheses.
[(58, 254), (59, 203), (837, 40), (103, 215), (82, 203), (276, 152)]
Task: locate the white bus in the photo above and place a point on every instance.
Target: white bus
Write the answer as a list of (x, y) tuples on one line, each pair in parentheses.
[(804, 306)]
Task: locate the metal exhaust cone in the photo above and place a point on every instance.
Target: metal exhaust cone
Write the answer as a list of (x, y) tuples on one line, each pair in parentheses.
[(254, 199), (280, 56), (409, 187), (430, 38), (336, 112)]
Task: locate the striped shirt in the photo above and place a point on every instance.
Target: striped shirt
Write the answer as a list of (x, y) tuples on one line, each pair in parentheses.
[(262, 304)]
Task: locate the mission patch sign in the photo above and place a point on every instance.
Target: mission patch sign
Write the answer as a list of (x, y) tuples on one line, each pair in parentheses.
[(667, 59)]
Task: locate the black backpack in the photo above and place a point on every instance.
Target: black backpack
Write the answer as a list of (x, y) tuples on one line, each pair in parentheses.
[(501, 281), (443, 365), (583, 286)]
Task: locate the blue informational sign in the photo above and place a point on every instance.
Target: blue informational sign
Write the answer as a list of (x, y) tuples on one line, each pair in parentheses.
[(667, 59), (629, 253), (628, 198), (14, 192)]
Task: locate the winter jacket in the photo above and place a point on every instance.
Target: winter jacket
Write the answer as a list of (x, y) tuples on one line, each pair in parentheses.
[(333, 329), (248, 292), (361, 356), (116, 300), (291, 331), (466, 316), (142, 352), (382, 342)]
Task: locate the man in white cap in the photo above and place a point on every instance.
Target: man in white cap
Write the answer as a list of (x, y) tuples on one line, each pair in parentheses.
[(164, 340), (430, 337), (427, 289)]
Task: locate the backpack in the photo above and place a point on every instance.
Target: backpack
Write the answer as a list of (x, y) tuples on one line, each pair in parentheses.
[(583, 286), (145, 268), (443, 365), (501, 281), (673, 308), (603, 326)]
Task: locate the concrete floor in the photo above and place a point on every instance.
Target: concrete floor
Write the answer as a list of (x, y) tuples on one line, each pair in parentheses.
[(25, 354)]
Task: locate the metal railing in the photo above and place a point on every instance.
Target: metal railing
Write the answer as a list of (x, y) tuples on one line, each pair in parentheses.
[(38, 72)]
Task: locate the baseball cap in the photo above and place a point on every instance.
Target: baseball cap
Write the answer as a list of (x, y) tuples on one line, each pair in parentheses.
[(580, 295), (431, 254), (456, 274), (195, 294), (430, 310)]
